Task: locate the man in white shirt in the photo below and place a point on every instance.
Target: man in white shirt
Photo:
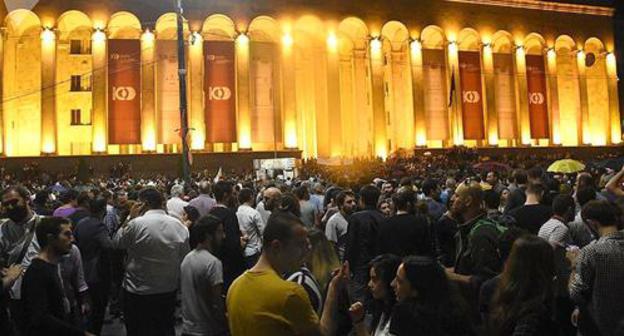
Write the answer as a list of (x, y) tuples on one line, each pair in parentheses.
[(156, 243), (251, 226), (555, 230), (175, 206), (203, 307), (270, 198)]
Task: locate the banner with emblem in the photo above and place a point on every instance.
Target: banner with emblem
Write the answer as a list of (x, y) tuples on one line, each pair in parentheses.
[(471, 95), (436, 110), (505, 97), (167, 92), (538, 106), (124, 89), (220, 91), (264, 77)]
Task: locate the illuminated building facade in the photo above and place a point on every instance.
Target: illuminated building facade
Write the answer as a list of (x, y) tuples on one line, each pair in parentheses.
[(358, 79)]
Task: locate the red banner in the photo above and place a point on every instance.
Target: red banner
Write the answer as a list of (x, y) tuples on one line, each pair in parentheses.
[(471, 95), (220, 91), (538, 106), (124, 90)]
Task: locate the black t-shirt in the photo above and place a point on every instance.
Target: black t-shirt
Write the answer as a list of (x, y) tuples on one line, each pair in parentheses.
[(404, 235), (231, 252), (531, 217), (43, 299)]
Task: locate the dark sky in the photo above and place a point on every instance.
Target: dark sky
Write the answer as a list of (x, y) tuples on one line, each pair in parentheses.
[(609, 3)]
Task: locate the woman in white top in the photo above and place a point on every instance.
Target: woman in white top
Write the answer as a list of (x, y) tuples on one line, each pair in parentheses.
[(382, 271)]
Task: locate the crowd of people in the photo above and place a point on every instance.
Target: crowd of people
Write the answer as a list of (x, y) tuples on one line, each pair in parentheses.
[(426, 245)]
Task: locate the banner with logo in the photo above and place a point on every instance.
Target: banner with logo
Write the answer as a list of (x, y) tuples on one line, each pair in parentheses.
[(124, 89), (220, 91), (505, 96), (538, 107), (167, 92), (436, 111), (263, 122), (471, 94)]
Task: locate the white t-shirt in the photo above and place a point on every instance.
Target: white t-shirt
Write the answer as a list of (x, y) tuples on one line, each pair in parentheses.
[(200, 272), (335, 230)]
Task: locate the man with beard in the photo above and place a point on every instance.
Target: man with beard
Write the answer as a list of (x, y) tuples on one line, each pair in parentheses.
[(361, 241), (269, 202), (45, 305), (203, 308), (336, 229), (477, 258), (16, 234), (231, 252)]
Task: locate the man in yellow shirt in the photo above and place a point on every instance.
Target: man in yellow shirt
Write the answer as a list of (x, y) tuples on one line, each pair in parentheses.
[(260, 302)]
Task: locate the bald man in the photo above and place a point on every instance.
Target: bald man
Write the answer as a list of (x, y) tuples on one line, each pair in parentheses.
[(270, 199)]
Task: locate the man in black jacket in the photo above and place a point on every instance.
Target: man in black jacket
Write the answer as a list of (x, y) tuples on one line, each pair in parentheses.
[(231, 252), (404, 233), (361, 241), (95, 247)]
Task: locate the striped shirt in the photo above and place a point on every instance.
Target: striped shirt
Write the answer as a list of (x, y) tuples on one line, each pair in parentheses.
[(306, 279)]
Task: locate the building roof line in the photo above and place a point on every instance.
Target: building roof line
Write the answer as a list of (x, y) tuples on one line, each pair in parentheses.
[(544, 6)]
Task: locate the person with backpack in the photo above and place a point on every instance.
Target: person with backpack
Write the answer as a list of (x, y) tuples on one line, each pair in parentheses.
[(477, 258)]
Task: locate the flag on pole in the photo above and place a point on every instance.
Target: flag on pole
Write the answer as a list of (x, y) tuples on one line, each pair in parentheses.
[(219, 175), (452, 90)]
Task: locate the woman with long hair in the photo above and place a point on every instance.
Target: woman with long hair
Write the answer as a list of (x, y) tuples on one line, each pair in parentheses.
[(427, 302), (524, 298), (316, 272), (382, 271)]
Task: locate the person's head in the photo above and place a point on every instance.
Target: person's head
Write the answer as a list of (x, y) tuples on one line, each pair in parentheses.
[(584, 180), (430, 188), (121, 198), (421, 278), (535, 174), (15, 203), (288, 202), (504, 196), (41, 197), (271, 197), (491, 199), (563, 206), (467, 203), (584, 195), (245, 196), (302, 193), (451, 183), (369, 195), (177, 190), (346, 202), (207, 233), (598, 215), (54, 235), (382, 271), (535, 191), (318, 189), (205, 187), (492, 178), (404, 200), (190, 214), (385, 207), (527, 281), (84, 199), (387, 188), (520, 177), (97, 207), (69, 197), (285, 242), (151, 197), (223, 192)]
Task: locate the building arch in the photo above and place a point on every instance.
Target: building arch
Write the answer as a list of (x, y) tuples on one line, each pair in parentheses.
[(568, 85), (468, 40), (597, 91), (432, 37), (218, 27), (124, 25), (502, 42)]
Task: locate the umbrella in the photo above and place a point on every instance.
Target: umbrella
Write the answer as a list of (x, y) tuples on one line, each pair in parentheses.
[(566, 166), (491, 165)]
